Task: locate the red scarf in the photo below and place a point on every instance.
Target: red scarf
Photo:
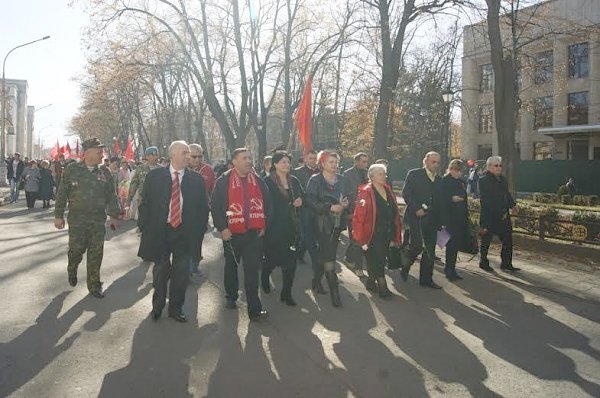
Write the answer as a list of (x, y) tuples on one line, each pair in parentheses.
[(236, 206)]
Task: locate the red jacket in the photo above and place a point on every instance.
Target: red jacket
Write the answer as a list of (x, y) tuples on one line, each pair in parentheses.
[(365, 213)]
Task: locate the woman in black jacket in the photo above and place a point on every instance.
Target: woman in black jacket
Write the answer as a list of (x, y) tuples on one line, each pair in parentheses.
[(324, 197), (455, 214), (284, 227), (46, 184)]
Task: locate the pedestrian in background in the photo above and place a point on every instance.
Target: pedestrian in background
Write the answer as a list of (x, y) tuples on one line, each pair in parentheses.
[(376, 224), (89, 191), (309, 234), (325, 198), (354, 177), (46, 184), (15, 168), (123, 177), (31, 177), (454, 214)]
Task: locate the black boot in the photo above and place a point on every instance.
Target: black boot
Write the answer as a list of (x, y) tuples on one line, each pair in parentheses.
[(384, 292), (370, 285), (286, 290), (484, 263), (332, 282), (264, 281), (318, 270)]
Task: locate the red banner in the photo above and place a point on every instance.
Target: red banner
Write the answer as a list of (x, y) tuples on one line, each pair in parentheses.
[(304, 117)]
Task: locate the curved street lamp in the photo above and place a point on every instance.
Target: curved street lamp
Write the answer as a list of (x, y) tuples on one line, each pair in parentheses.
[(447, 97), (3, 111)]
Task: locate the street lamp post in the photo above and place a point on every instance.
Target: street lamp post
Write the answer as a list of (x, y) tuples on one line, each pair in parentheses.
[(3, 112), (447, 97)]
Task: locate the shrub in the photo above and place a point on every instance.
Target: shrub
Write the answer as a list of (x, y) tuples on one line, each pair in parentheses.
[(583, 200), (566, 200), (545, 198)]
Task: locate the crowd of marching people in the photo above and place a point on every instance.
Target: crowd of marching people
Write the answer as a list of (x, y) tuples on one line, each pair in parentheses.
[(271, 218)]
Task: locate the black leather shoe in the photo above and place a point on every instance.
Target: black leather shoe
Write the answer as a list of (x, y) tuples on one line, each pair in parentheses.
[(432, 285), (231, 305), (73, 280), (290, 302), (486, 267), (155, 316), (510, 268), (179, 317), (97, 294), (404, 274), (317, 287), (259, 316), (454, 277), (370, 285)]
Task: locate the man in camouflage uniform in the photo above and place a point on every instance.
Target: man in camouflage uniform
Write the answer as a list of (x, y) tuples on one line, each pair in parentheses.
[(89, 190), (137, 182)]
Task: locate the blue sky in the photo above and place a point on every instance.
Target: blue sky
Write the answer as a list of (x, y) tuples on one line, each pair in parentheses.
[(50, 65)]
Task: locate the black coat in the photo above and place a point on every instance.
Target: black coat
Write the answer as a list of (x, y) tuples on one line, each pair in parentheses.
[(419, 190), (303, 174), (318, 199), (283, 227), (10, 172), (46, 191), (496, 203), (353, 178), (454, 215), (220, 201), (154, 211)]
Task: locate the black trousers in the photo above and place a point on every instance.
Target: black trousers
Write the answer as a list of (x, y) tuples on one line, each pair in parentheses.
[(246, 250), (354, 254), (505, 236), (377, 256), (422, 237), (451, 255), (173, 265), (30, 197)]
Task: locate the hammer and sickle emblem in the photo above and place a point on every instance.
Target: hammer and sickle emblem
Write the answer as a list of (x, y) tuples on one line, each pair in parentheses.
[(236, 209), (256, 204)]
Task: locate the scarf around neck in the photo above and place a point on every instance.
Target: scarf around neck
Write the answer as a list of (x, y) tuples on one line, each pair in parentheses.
[(236, 209)]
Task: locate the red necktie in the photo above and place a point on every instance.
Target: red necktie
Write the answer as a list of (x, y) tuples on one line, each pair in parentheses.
[(175, 214)]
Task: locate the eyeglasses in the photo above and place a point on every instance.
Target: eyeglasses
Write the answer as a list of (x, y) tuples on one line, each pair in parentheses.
[(196, 156), (496, 165)]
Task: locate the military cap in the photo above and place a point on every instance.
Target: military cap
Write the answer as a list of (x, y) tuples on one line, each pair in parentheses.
[(92, 143), (151, 150)]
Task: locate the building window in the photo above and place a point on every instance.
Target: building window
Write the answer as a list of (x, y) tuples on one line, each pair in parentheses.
[(543, 67), (578, 149), (578, 108), (486, 119), (543, 108), (484, 151), (579, 60), (543, 150), (487, 78)]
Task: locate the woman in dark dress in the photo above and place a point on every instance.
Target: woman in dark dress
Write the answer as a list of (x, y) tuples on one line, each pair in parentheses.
[(325, 199), (375, 225), (281, 235), (46, 184), (455, 214)]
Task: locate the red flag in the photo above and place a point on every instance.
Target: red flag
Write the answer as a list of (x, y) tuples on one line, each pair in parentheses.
[(77, 150), (67, 151), (129, 150), (304, 117), (116, 148), (55, 151), (61, 151)]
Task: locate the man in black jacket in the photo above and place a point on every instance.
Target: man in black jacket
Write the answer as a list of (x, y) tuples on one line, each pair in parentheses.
[(173, 215), (422, 217), (309, 240), (246, 245), (15, 169), (353, 178), (496, 204)]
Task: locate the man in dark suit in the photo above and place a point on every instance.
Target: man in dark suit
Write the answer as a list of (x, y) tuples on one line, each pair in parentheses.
[(496, 204), (422, 216), (353, 178), (15, 169), (173, 214), (241, 208)]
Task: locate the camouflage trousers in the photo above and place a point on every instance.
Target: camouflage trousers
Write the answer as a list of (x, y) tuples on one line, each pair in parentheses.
[(88, 237)]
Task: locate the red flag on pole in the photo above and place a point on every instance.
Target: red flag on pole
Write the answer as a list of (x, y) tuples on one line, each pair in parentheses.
[(304, 117), (67, 151), (55, 151), (77, 150), (116, 148), (129, 150)]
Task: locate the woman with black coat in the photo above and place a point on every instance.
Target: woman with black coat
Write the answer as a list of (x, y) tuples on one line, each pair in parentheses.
[(46, 184), (455, 214), (324, 197), (284, 227)]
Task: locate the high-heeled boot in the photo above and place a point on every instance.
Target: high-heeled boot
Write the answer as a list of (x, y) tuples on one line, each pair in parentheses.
[(318, 271), (384, 292), (332, 282)]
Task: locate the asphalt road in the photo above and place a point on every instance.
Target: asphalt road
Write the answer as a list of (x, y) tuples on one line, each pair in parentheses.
[(486, 336)]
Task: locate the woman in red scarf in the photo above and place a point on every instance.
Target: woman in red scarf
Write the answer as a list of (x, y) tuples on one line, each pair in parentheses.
[(324, 197)]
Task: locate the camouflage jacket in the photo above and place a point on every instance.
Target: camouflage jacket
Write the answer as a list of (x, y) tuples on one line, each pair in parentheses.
[(137, 181), (90, 194)]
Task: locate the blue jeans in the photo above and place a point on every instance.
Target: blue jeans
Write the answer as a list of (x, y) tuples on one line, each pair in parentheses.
[(14, 190)]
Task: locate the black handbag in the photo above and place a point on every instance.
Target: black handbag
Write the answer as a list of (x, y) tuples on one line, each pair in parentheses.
[(397, 257), (469, 244)]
